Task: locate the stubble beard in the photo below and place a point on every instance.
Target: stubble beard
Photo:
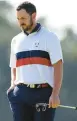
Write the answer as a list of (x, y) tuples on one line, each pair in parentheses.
[(29, 27)]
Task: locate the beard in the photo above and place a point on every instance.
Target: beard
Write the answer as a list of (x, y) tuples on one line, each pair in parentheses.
[(27, 27)]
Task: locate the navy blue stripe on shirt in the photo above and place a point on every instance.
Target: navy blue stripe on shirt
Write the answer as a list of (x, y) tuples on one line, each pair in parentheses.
[(32, 53)]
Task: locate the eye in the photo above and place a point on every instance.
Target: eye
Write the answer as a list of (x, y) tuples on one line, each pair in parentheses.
[(23, 18)]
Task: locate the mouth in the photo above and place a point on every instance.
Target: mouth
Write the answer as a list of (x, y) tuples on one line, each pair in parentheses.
[(22, 25)]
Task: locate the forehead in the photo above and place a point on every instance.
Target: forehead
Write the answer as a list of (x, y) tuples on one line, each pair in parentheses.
[(22, 13)]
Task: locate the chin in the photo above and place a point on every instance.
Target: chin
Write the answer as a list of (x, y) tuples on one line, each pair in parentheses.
[(23, 28)]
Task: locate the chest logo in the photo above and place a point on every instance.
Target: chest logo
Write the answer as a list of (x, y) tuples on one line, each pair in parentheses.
[(36, 44)]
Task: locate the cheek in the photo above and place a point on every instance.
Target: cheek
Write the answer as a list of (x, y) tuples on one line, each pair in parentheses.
[(19, 23), (27, 23)]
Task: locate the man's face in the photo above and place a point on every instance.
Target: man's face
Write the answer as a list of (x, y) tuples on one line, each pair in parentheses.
[(24, 19)]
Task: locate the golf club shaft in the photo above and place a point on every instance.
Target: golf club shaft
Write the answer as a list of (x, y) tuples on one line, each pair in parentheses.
[(63, 106)]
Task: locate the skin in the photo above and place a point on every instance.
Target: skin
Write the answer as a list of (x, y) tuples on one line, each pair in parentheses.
[(54, 100), (28, 22)]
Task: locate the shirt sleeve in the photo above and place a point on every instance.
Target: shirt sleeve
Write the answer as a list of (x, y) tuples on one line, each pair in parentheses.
[(54, 48), (12, 56)]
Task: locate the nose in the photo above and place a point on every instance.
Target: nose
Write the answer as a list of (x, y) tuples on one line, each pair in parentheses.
[(20, 21)]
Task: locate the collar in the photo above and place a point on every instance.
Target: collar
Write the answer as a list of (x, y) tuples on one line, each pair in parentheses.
[(36, 29)]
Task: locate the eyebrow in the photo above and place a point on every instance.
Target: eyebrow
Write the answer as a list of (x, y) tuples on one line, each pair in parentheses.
[(21, 17)]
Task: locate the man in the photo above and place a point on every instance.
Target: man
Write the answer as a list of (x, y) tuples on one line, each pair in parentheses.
[(36, 68)]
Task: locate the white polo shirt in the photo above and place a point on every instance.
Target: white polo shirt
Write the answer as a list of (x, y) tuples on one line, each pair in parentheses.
[(34, 55)]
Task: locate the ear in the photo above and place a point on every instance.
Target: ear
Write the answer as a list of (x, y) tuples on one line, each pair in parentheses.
[(34, 16)]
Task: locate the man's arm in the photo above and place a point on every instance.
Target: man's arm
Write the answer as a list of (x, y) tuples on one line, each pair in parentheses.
[(12, 65), (54, 100), (56, 57), (13, 76), (58, 76)]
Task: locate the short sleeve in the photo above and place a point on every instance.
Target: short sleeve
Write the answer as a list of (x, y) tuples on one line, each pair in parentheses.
[(54, 48), (12, 56)]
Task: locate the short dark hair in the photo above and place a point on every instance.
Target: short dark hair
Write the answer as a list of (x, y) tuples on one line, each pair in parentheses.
[(28, 6)]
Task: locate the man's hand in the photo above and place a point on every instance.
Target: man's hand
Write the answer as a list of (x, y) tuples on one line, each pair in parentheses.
[(54, 101), (10, 88)]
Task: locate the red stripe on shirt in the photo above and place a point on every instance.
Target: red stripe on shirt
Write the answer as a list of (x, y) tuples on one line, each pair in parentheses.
[(33, 60)]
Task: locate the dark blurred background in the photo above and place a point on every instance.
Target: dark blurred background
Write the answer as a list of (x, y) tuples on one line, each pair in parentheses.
[(69, 46)]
